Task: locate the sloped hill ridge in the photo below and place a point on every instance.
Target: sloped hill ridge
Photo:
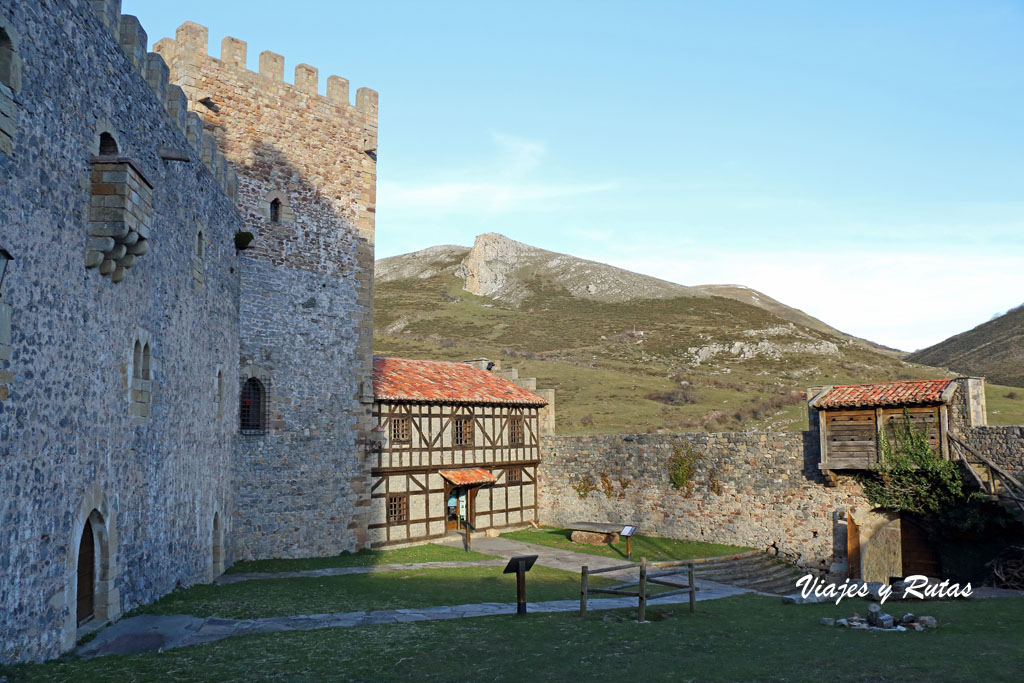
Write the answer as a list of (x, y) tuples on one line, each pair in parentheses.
[(419, 264), (795, 315), (994, 349), (640, 360), (510, 271), (502, 268)]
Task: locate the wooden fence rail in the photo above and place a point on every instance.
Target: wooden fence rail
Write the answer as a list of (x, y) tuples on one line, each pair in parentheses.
[(641, 593)]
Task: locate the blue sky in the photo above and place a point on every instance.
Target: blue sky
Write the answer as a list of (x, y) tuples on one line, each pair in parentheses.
[(861, 161)]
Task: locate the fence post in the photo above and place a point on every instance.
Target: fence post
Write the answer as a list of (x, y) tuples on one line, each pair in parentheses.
[(641, 608), (584, 573), (693, 588)]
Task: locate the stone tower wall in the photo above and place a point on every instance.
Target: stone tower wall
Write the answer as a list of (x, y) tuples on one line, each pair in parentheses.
[(307, 288), (149, 460)]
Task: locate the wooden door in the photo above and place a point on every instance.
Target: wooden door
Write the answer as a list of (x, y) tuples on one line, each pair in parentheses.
[(919, 555), (451, 521), (852, 547), (86, 574)]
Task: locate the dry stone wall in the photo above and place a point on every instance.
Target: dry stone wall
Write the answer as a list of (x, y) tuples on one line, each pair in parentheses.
[(761, 490), (1002, 445), (69, 445), (306, 167)]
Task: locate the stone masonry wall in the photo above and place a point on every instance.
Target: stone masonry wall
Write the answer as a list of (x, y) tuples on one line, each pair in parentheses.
[(69, 444), (761, 490), (1002, 445), (306, 166)]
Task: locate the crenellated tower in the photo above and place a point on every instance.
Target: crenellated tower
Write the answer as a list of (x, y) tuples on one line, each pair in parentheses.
[(306, 188)]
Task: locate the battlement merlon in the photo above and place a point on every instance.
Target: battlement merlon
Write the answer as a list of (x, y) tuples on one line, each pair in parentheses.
[(194, 38), (131, 37)]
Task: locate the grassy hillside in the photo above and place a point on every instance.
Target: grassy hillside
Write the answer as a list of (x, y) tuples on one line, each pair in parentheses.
[(626, 367), (994, 349)]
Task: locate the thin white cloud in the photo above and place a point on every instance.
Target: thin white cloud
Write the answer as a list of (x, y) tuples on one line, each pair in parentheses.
[(509, 181)]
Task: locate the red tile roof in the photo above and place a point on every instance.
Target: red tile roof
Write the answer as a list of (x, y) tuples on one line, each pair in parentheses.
[(884, 394), (435, 381), (468, 477)]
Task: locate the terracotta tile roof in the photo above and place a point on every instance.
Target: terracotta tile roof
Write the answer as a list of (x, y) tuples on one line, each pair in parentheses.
[(434, 381), (468, 477), (884, 394)]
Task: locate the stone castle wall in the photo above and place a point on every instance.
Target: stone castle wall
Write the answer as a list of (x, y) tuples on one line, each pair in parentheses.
[(762, 490), (82, 431), (306, 166)]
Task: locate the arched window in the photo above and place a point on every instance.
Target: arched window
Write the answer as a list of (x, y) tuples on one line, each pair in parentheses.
[(10, 82), (275, 211), (108, 145), (252, 407), (7, 60), (137, 360), (146, 359)]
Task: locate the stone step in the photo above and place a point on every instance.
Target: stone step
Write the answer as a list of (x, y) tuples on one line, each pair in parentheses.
[(741, 575), (765, 564), (750, 562)]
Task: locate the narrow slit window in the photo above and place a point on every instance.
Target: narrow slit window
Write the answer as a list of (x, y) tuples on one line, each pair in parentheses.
[(147, 360), (137, 361), (7, 59), (275, 211)]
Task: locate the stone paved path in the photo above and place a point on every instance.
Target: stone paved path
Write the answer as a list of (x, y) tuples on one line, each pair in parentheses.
[(341, 571), (546, 556), (153, 633)]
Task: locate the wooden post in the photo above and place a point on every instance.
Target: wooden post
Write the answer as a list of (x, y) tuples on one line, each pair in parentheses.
[(584, 573), (467, 537), (629, 547), (693, 588), (521, 588), (641, 607)]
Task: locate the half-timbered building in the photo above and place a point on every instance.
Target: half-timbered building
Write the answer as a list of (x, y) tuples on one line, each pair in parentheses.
[(456, 444)]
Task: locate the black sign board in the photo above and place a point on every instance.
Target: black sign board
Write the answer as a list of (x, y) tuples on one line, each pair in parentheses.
[(513, 564), (519, 565)]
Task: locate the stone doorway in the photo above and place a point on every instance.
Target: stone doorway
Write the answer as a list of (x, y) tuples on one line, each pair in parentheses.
[(86, 575), (218, 546)]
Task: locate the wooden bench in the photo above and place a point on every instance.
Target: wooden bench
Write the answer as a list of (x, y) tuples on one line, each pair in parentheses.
[(594, 533)]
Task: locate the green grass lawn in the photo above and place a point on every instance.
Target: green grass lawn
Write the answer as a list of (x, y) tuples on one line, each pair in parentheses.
[(745, 637), (430, 552), (1002, 409), (389, 590), (653, 548)]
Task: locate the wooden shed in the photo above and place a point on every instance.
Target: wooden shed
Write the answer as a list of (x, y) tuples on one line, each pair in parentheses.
[(460, 444), (850, 418)]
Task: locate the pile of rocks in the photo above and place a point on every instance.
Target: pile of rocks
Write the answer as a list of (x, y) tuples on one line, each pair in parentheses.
[(877, 620)]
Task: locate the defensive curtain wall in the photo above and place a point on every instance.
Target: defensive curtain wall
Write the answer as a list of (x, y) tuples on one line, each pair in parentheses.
[(306, 165), (757, 489), (120, 354)]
